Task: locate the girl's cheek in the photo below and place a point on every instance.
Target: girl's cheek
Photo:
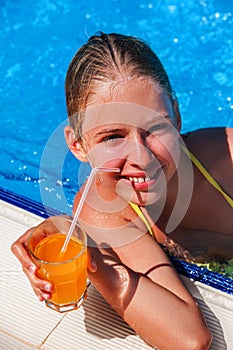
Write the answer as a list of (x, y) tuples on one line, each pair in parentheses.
[(101, 156), (167, 147)]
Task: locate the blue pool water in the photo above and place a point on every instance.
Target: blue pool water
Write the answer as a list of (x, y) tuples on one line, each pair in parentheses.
[(193, 38)]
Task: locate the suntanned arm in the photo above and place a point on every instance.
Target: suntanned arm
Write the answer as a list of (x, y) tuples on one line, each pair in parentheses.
[(137, 279), (150, 297)]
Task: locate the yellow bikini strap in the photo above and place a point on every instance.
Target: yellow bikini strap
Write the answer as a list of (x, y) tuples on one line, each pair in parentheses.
[(142, 217), (207, 175)]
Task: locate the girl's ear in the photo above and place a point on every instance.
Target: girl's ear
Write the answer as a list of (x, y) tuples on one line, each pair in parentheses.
[(177, 114), (75, 146)]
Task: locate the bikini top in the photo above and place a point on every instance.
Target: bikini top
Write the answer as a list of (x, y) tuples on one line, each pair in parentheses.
[(207, 175), (204, 172)]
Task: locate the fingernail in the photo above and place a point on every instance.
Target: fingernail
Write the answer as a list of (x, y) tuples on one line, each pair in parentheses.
[(31, 268), (47, 287), (46, 296), (92, 265)]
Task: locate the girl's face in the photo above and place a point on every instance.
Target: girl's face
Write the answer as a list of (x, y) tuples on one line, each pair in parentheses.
[(133, 128)]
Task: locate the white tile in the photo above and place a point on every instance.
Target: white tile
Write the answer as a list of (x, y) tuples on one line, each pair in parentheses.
[(10, 343), (18, 215), (94, 326), (22, 315)]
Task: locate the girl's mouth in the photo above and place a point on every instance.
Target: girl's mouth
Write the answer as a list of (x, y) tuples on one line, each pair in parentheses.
[(142, 183)]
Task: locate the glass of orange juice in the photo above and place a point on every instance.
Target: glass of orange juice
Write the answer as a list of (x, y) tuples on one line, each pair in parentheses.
[(67, 271)]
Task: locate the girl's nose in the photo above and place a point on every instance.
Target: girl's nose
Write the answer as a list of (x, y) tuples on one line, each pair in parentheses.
[(138, 152)]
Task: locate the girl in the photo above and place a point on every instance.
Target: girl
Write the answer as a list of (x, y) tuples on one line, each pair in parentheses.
[(123, 114)]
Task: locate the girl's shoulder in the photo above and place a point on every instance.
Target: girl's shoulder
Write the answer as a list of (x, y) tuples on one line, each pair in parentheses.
[(215, 135), (210, 144), (213, 148)]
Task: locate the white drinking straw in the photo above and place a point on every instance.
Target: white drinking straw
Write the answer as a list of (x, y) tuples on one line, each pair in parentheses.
[(82, 200)]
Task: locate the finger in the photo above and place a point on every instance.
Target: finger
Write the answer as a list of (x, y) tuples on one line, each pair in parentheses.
[(43, 289), (91, 262), (20, 249)]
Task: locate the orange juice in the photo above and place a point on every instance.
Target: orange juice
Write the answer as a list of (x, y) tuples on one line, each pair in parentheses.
[(68, 272)]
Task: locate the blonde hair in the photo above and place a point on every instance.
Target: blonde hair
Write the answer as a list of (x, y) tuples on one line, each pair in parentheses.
[(103, 59)]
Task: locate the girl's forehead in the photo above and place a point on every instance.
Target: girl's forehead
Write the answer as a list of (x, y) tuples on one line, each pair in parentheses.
[(124, 113)]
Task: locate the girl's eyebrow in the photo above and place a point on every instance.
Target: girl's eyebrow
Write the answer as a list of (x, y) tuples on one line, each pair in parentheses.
[(115, 130), (107, 131), (160, 116)]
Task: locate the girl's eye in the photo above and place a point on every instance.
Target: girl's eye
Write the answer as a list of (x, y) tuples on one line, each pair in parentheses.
[(159, 128), (112, 138)]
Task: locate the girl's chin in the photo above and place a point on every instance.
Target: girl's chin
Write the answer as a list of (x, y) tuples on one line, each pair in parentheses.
[(142, 198)]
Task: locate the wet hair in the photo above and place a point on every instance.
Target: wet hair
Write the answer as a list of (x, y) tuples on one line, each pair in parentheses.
[(105, 58)]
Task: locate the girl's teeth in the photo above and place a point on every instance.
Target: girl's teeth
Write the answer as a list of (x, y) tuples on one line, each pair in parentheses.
[(139, 179)]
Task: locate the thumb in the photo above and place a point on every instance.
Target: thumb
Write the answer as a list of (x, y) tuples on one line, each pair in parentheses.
[(91, 262)]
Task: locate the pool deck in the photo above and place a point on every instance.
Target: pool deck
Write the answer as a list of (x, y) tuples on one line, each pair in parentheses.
[(25, 323)]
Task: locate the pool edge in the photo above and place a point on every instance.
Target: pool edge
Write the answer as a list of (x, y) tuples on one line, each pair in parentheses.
[(192, 271)]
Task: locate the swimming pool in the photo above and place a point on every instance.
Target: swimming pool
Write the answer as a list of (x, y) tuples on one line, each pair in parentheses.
[(38, 39)]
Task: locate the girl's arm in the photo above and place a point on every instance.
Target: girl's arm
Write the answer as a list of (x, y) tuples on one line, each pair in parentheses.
[(137, 279), (150, 296)]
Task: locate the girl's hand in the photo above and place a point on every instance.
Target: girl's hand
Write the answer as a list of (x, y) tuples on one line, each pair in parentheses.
[(19, 248), (43, 289)]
